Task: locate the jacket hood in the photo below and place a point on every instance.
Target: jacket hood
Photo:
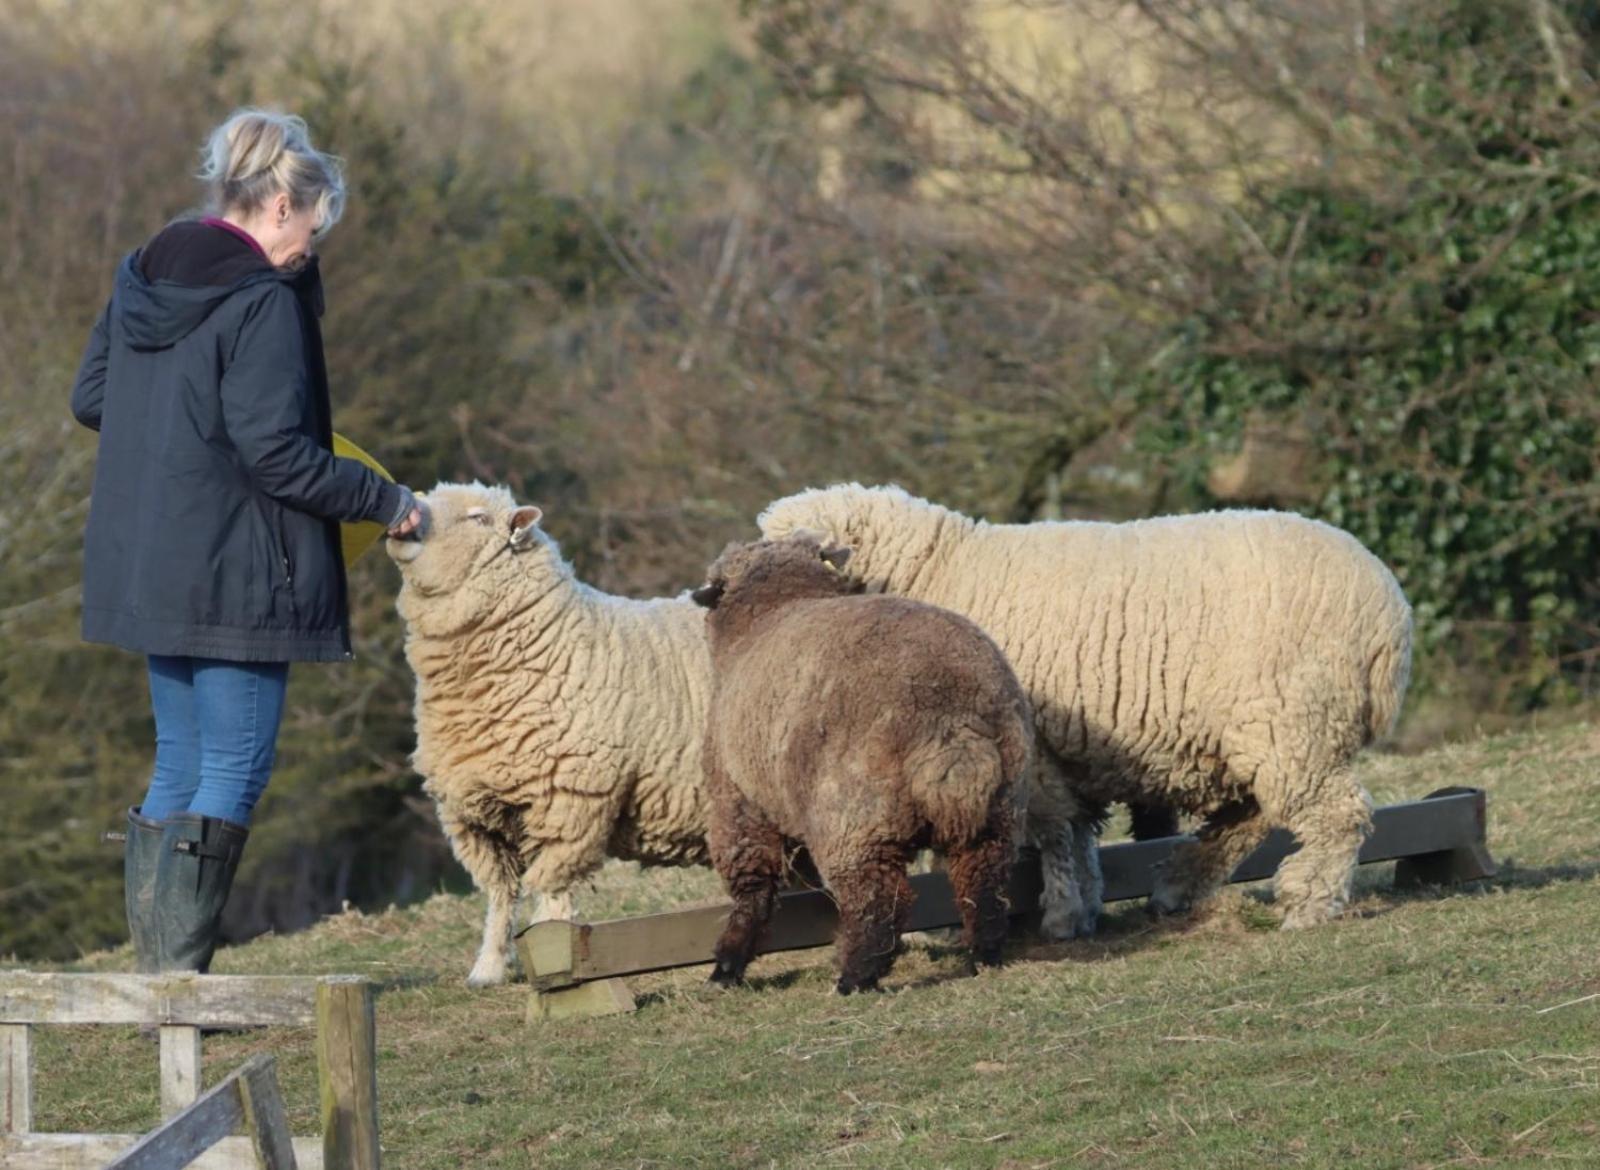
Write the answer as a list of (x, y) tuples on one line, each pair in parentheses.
[(156, 314)]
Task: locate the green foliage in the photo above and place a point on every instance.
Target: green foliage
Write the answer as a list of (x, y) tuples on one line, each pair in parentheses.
[(1435, 332)]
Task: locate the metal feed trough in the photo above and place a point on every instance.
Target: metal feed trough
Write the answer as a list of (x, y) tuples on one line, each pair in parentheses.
[(577, 968)]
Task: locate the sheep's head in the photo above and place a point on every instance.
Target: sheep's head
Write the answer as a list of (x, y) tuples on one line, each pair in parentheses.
[(883, 526), (800, 565), (837, 513), (469, 530)]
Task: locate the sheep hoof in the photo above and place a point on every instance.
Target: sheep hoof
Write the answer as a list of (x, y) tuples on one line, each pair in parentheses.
[(723, 976), (1164, 903), (846, 986), (977, 963), (1056, 928), (1302, 917), (1067, 925)]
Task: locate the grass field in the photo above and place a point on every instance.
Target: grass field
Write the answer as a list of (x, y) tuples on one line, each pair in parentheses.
[(1452, 1029)]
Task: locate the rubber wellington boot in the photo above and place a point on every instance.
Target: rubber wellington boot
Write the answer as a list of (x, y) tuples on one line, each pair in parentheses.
[(139, 855), (199, 856)]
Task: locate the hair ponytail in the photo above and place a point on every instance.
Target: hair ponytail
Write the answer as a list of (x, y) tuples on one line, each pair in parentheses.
[(257, 154)]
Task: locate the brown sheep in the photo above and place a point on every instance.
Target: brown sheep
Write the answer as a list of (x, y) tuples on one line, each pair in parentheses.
[(863, 728)]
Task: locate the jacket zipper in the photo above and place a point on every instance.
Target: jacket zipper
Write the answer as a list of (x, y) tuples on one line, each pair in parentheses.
[(288, 567)]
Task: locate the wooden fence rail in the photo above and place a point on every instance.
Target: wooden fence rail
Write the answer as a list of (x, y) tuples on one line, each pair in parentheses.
[(340, 1007), (577, 968), (248, 1098)]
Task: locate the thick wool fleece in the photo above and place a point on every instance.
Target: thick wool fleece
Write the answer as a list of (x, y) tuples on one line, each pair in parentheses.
[(864, 728), (556, 725), (1231, 663)]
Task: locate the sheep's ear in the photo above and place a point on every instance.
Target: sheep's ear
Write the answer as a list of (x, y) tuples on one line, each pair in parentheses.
[(707, 595), (522, 523), (836, 557)]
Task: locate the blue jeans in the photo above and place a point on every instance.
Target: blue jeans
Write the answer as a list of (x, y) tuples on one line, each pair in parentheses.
[(216, 735)]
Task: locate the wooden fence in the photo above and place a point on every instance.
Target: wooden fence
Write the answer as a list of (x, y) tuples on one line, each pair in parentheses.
[(180, 1005), (578, 968), (247, 1099)]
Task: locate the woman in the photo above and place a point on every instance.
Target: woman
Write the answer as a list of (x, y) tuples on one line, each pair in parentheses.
[(212, 545)]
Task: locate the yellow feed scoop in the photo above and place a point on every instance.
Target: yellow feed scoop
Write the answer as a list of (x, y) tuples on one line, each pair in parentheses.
[(355, 539)]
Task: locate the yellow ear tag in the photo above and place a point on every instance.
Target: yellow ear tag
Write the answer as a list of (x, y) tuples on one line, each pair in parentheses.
[(355, 539)]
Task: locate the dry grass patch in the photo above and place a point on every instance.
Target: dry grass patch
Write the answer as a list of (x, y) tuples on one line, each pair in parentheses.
[(1444, 1029)]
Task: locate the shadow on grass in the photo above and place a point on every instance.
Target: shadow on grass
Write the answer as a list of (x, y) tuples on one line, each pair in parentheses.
[(1517, 877), (1121, 931), (1511, 877), (1128, 928), (755, 983), (778, 981), (408, 980)]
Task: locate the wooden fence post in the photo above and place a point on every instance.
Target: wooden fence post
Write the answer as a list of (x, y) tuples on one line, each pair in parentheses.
[(347, 1071), (16, 1079), (180, 1068)]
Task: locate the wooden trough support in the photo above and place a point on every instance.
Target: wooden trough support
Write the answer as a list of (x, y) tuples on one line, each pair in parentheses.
[(180, 1005), (577, 969)]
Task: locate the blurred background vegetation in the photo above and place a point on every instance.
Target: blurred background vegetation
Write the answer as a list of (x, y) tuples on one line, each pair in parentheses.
[(656, 262)]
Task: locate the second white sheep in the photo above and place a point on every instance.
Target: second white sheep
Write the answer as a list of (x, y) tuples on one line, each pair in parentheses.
[(1230, 663)]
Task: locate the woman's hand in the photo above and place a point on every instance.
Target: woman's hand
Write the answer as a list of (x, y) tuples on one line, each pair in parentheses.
[(413, 515), (408, 526)]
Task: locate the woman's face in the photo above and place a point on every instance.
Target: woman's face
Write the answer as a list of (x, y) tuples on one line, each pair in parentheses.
[(283, 233)]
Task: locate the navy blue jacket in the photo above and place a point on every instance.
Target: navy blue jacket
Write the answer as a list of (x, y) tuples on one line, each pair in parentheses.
[(213, 524)]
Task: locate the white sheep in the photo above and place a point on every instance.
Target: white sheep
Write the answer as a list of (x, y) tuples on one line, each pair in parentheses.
[(556, 725), (1230, 663)]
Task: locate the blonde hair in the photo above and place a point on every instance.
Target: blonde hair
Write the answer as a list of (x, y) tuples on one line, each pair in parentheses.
[(257, 154)]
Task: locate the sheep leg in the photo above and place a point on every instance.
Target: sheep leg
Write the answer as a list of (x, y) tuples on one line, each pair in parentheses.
[(558, 863), (1197, 869), (494, 867), (1070, 897), (874, 897), (747, 851), (1091, 882), (979, 874), (489, 969), (1061, 896), (554, 908), (1313, 885)]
